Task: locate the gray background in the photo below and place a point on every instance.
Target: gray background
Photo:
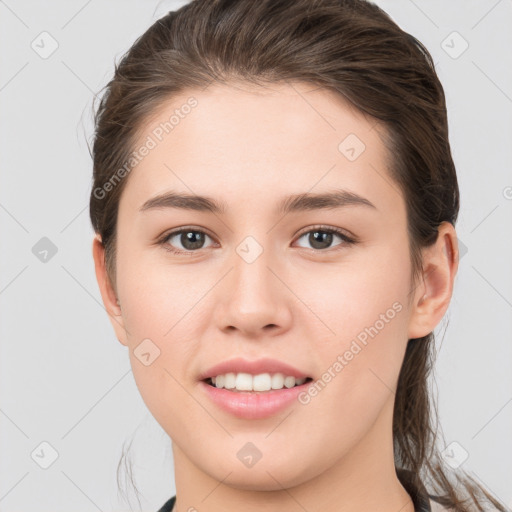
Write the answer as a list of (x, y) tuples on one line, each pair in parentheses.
[(66, 380)]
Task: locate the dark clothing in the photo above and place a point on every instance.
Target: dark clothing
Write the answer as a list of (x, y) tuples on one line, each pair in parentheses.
[(419, 496), (167, 507)]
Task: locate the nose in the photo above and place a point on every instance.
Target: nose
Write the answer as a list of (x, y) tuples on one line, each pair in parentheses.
[(252, 298)]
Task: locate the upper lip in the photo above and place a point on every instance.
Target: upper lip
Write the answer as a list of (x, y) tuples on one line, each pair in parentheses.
[(240, 365)]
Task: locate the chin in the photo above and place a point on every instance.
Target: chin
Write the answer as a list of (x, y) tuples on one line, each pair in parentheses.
[(262, 476)]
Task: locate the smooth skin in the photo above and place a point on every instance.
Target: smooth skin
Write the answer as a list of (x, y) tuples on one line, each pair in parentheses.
[(250, 147)]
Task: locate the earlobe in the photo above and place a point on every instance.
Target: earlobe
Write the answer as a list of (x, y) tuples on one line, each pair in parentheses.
[(108, 294), (433, 294)]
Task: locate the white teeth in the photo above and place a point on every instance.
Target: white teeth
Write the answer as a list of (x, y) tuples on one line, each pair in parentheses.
[(219, 381), (260, 382), (243, 382), (277, 381), (229, 380)]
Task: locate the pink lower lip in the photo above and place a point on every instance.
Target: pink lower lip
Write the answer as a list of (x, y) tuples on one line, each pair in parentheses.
[(253, 405)]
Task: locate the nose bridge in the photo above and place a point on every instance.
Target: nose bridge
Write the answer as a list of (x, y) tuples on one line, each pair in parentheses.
[(252, 279), (250, 298)]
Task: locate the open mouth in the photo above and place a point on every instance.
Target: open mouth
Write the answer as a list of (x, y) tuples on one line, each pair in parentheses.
[(210, 382), (245, 403)]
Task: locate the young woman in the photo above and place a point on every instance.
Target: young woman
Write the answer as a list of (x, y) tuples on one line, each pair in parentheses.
[(274, 203)]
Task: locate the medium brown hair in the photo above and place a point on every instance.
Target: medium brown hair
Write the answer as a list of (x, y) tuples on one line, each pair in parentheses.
[(351, 47)]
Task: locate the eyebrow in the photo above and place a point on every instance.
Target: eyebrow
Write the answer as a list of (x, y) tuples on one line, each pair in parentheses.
[(294, 203)]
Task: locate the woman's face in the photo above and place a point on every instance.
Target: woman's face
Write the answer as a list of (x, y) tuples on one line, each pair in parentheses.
[(257, 280)]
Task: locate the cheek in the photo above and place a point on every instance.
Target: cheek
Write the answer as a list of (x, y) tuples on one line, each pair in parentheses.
[(364, 319), (158, 300), (368, 288), (160, 307)]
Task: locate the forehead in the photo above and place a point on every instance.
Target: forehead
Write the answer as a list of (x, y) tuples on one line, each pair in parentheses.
[(240, 139)]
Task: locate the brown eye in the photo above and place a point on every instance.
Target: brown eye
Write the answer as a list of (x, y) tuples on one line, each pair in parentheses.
[(190, 240), (322, 238)]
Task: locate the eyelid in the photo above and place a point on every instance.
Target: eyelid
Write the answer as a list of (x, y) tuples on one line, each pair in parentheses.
[(165, 236), (347, 237), (325, 227)]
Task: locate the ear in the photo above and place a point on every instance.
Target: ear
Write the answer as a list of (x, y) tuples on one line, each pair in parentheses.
[(108, 294), (433, 293)]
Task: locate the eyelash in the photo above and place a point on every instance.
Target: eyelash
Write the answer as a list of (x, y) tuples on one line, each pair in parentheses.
[(324, 229)]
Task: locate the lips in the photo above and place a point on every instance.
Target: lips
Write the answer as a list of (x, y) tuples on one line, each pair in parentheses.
[(253, 405), (256, 367)]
